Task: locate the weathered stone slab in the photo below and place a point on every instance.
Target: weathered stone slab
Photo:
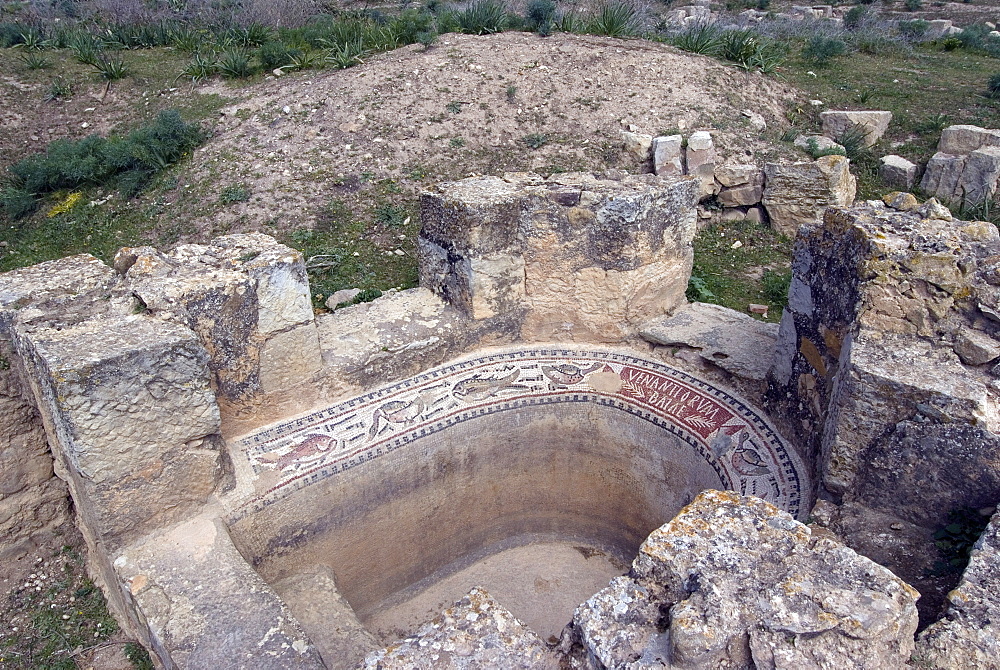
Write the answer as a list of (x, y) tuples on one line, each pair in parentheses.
[(391, 337), (129, 410), (237, 293), (979, 178), (968, 636), (964, 139), (897, 172), (943, 175), (327, 618), (889, 380), (733, 582), (733, 341), (203, 606), (476, 632), (938, 28), (873, 124), (668, 155), (798, 193)]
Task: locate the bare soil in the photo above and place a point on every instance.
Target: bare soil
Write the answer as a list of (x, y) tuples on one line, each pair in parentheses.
[(466, 106)]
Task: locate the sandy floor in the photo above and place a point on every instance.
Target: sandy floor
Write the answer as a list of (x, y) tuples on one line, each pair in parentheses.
[(541, 584)]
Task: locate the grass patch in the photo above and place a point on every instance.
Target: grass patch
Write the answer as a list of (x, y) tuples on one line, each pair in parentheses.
[(756, 271)]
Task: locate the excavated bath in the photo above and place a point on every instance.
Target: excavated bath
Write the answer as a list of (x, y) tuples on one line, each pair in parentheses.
[(527, 471)]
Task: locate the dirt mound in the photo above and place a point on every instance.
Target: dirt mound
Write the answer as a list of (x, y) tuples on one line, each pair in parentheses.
[(505, 102)]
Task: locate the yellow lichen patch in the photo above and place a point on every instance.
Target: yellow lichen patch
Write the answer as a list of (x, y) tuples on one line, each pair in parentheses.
[(66, 204), (812, 355)]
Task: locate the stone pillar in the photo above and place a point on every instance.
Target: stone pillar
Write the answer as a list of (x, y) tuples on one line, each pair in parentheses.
[(571, 257)]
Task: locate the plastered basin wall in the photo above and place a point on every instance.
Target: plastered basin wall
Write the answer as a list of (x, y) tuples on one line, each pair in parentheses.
[(595, 446)]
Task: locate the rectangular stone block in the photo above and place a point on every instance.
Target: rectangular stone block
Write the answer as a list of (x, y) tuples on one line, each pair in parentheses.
[(477, 215), (964, 139), (129, 411), (668, 155), (943, 175), (979, 179)]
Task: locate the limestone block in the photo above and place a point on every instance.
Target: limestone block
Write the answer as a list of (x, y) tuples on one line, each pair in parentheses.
[(733, 341), (737, 175), (874, 124), (699, 157), (738, 583), (324, 614), (55, 284), (203, 606), (476, 215), (289, 358), (968, 636), (943, 175), (396, 335), (129, 411), (639, 145), (919, 472), (979, 178), (890, 380), (938, 28), (798, 193), (811, 143), (480, 286), (476, 632), (234, 293), (668, 155), (964, 139), (586, 257), (748, 193), (897, 172)]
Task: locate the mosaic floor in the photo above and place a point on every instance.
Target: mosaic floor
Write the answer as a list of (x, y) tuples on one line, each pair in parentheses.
[(730, 435)]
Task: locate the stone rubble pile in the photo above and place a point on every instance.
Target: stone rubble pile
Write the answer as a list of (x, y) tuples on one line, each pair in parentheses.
[(733, 582)]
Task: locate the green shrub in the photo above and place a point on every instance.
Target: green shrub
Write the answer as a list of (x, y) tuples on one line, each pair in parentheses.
[(615, 18), (821, 50), (17, 203), (200, 68), (535, 140), (124, 162), (951, 43), (540, 16), (10, 34), (853, 140), (276, 54), (913, 30), (483, 17), (234, 193), (855, 16), (704, 39), (111, 69), (993, 86), (35, 61), (235, 65), (775, 286), (914, 5)]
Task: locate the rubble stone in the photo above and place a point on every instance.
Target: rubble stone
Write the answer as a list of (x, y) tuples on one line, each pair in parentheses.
[(726, 338), (874, 124), (897, 172), (699, 157), (476, 632), (733, 582), (798, 193)]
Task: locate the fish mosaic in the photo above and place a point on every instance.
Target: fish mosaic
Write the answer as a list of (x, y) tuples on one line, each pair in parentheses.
[(732, 437)]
